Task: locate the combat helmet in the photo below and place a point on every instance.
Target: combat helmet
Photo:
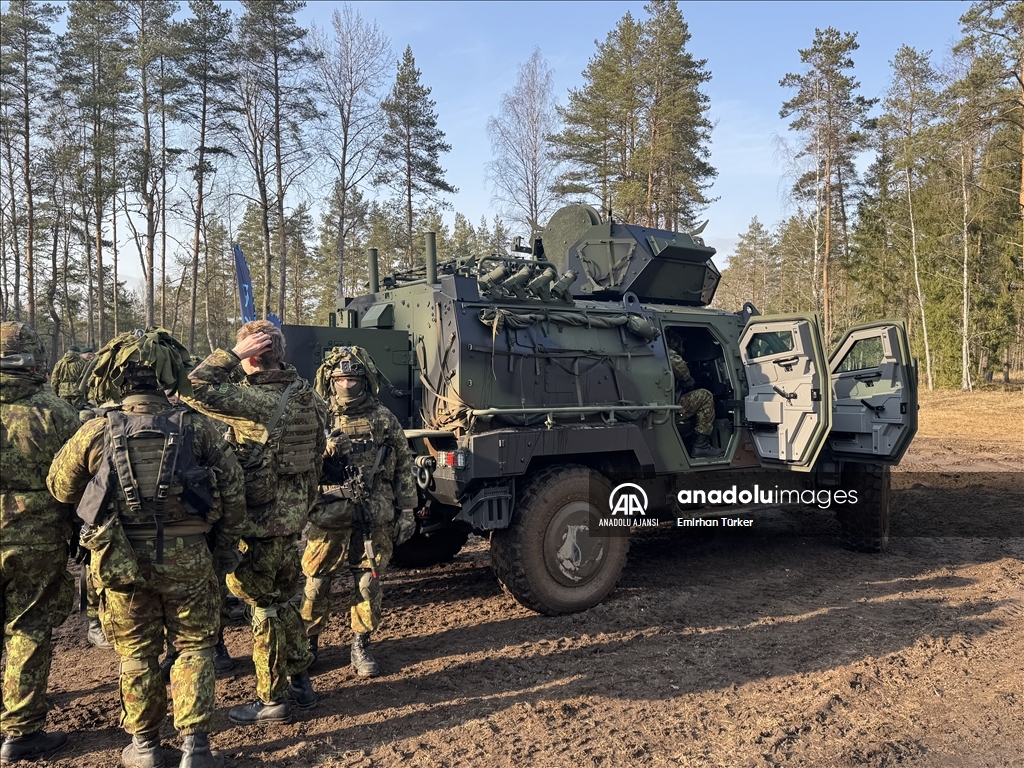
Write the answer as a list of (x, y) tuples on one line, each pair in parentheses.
[(139, 361), (20, 346), (343, 363)]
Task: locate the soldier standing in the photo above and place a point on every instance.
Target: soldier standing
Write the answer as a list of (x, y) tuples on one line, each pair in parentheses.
[(278, 424), (342, 528), (67, 375), (147, 477), (35, 588)]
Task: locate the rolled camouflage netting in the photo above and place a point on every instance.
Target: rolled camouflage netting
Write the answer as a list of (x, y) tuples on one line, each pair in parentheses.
[(155, 349), (322, 382)]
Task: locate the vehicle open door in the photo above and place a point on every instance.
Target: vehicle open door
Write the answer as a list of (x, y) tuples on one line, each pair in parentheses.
[(789, 402), (874, 393)]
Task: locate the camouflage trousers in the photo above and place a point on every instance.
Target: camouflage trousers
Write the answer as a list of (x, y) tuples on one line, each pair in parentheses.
[(702, 403), (266, 580), (92, 596), (36, 593), (327, 553), (179, 597)]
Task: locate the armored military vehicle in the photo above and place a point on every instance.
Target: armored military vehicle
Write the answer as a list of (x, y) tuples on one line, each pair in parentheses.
[(531, 384)]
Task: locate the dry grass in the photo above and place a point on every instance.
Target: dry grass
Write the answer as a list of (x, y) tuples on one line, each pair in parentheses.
[(997, 416)]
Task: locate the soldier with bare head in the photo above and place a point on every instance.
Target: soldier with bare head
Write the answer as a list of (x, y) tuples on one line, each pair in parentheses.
[(35, 588), (156, 488), (277, 423)]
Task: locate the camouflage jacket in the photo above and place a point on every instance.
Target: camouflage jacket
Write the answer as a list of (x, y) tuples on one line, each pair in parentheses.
[(82, 458), (369, 427), (67, 375), (247, 407), (679, 367), (34, 424)]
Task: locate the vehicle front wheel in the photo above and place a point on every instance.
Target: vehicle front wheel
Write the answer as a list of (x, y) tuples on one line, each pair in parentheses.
[(865, 524), (547, 558)]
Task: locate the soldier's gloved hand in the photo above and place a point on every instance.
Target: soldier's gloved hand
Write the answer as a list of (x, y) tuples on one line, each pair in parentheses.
[(405, 527), (225, 560), (689, 385)]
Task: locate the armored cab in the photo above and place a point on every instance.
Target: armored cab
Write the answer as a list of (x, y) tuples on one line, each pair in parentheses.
[(534, 384)]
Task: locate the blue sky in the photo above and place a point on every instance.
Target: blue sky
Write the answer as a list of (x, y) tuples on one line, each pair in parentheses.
[(468, 53)]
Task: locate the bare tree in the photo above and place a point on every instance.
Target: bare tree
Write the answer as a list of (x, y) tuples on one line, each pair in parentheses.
[(352, 69), (524, 170)]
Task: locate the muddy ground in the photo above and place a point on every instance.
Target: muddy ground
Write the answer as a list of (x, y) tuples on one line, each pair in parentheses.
[(777, 647)]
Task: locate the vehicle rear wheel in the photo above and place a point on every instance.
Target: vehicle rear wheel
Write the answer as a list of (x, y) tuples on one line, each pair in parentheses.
[(547, 558), (426, 549), (865, 525)]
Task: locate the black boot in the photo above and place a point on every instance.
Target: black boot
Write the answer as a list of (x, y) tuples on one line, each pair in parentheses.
[(196, 752), (31, 746), (702, 448), (258, 712), (301, 692), (143, 752), (364, 664), (314, 648), (96, 637), (222, 661)]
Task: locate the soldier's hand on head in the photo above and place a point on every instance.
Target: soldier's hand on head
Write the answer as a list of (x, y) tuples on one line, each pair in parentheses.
[(253, 346), (405, 527)]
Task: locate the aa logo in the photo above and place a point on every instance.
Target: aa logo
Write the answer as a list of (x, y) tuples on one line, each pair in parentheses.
[(628, 499)]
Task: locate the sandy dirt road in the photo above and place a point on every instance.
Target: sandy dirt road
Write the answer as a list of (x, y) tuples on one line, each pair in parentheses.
[(717, 648)]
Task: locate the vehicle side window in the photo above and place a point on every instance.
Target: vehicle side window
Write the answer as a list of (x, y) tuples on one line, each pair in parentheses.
[(769, 343), (865, 353)]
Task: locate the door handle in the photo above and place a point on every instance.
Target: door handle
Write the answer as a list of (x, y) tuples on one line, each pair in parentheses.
[(868, 376), (787, 361), (878, 410), (790, 396)]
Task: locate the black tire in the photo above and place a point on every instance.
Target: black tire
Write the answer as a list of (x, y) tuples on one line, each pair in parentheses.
[(426, 549), (526, 555), (865, 525)]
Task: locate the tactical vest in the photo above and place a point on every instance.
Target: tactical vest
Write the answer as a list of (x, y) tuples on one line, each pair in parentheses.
[(151, 459), (297, 447), (290, 447)]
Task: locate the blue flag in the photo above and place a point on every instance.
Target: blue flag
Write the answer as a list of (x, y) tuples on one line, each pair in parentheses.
[(245, 297)]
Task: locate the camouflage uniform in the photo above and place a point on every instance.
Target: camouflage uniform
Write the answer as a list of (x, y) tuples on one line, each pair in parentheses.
[(268, 576), (35, 589), (145, 592), (696, 401), (335, 540), (67, 376)]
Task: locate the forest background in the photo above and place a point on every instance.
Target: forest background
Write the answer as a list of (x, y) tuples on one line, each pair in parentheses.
[(158, 133)]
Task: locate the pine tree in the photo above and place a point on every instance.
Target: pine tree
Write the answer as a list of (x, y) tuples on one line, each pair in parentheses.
[(272, 42), (636, 135), (204, 41), (26, 62), (92, 67), (829, 113), (412, 148)]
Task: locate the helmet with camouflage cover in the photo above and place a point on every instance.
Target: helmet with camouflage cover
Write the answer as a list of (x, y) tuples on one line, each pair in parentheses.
[(20, 346), (137, 362), (352, 363)]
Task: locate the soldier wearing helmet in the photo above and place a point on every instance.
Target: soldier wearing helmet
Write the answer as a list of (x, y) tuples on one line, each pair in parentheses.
[(357, 533), (278, 423), (67, 375), (156, 487), (35, 589)]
